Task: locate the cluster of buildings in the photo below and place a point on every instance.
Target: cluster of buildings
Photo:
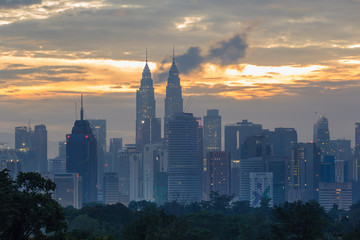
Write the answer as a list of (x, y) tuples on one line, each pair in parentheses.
[(187, 162)]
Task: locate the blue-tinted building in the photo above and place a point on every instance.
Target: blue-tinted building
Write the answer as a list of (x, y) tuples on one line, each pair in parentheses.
[(81, 157), (185, 165)]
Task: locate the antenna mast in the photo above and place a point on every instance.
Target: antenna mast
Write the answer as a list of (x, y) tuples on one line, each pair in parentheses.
[(82, 108)]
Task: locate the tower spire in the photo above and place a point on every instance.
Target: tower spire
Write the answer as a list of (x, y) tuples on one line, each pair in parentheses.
[(173, 53), (82, 108), (146, 56)]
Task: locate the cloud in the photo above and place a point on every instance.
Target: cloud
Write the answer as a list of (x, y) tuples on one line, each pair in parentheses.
[(225, 52), (17, 3), (229, 51)]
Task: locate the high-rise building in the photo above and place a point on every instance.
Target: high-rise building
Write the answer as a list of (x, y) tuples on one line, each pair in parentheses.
[(57, 165), (185, 165), (116, 145), (304, 172), (235, 136), (261, 187), (282, 140), (22, 138), (356, 168), (322, 134), (98, 127), (10, 160), (68, 189), (111, 188), (81, 156), (32, 146), (212, 131), (173, 99), (247, 166), (129, 166), (148, 127), (335, 193), (40, 147), (218, 173), (155, 162)]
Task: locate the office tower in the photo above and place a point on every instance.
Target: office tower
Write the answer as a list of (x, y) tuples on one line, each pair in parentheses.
[(114, 149), (185, 166), (148, 127), (161, 188), (235, 136), (10, 160), (304, 172), (212, 131), (334, 188), (173, 99), (68, 189), (136, 176), (341, 149), (356, 171), (62, 149), (111, 188), (218, 173), (282, 139), (247, 166), (335, 193), (278, 166), (24, 141), (235, 178), (57, 165), (40, 148), (155, 162), (127, 166), (322, 135), (98, 127), (261, 187), (81, 156), (22, 138), (257, 146)]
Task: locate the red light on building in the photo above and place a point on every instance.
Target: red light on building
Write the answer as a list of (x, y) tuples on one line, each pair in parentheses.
[(86, 136), (106, 164)]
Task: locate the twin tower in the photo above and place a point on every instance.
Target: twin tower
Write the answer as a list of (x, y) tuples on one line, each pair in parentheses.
[(148, 127)]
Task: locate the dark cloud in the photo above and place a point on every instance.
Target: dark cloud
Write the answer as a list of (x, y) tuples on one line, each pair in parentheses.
[(229, 51), (17, 3), (225, 52)]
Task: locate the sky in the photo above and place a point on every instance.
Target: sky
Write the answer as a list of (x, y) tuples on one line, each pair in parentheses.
[(276, 62)]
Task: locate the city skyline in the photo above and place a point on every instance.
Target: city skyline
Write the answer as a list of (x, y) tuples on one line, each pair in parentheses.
[(240, 61)]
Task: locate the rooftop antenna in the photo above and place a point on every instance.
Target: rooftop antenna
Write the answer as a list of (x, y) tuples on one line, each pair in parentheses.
[(76, 116), (82, 108), (173, 52), (146, 56)]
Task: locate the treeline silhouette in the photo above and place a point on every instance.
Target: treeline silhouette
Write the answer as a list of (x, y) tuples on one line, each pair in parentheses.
[(28, 212)]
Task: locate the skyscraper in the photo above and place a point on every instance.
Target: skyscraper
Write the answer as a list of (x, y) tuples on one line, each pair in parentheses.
[(148, 127), (322, 135), (173, 99), (218, 173), (212, 131), (81, 156), (98, 127), (185, 165), (235, 136), (356, 171), (40, 148)]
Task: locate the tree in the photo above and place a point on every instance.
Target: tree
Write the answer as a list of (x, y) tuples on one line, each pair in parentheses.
[(27, 209), (299, 221), (157, 226)]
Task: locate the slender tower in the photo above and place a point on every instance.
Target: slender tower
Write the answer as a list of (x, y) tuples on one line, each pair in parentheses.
[(81, 156), (148, 127), (173, 100)]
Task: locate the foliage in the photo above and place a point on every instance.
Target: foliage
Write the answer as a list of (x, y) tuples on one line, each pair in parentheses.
[(27, 209), (299, 221), (157, 226)]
